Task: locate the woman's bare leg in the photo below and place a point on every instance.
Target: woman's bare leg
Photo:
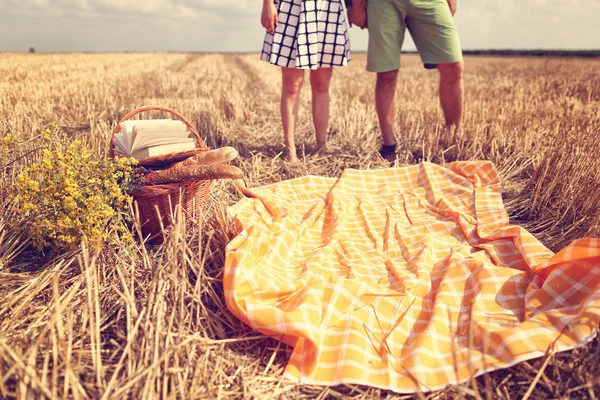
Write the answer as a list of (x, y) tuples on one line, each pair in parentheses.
[(319, 83), (292, 80)]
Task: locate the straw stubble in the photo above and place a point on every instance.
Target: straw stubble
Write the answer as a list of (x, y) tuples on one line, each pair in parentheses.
[(135, 321)]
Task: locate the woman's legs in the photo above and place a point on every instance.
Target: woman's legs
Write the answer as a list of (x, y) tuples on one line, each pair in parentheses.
[(292, 80), (319, 83)]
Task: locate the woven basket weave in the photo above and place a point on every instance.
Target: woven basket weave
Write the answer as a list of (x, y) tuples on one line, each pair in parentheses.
[(156, 204)]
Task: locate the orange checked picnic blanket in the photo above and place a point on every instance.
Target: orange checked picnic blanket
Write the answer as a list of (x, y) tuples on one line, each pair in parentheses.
[(405, 279)]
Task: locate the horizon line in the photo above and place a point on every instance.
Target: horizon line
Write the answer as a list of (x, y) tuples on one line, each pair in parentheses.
[(533, 49)]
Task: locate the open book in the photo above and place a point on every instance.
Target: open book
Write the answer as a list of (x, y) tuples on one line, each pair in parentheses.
[(149, 138)]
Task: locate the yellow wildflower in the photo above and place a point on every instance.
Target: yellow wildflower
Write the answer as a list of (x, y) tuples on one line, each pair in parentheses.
[(7, 141), (78, 195)]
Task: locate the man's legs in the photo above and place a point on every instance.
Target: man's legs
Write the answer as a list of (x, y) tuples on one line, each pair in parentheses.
[(385, 102), (433, 30), (451, 96), (386, 35)]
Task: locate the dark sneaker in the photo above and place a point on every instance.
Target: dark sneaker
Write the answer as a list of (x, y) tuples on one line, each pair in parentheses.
[(388, 152)]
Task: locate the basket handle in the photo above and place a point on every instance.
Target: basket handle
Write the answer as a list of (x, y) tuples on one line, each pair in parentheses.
[(199, 142)]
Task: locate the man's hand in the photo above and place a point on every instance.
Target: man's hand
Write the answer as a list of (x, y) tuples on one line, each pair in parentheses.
[(357, 14), (453, 5)]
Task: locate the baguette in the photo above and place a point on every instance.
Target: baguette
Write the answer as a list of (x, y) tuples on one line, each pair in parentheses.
[(193, 172), (210, 157), (217, 156), (182, 164)]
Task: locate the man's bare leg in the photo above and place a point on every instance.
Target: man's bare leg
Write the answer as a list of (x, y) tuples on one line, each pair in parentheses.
[(451, 98), (385, 102)]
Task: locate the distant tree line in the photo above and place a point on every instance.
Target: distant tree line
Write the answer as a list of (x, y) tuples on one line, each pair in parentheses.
[(480, 52), (537, 53), (533, 52)]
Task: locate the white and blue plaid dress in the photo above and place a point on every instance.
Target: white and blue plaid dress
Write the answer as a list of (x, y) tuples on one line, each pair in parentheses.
[(310, 34)]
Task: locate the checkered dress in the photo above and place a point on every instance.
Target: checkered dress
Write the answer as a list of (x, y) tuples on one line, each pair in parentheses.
[(310, 34)]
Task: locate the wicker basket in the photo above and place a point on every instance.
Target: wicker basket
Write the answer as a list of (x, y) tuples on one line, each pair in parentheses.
[(156, 204)]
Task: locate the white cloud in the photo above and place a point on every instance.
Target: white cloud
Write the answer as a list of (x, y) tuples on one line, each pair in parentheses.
[(529, 24), (165, 8), (94, 8), (233, 25), (230, 5)]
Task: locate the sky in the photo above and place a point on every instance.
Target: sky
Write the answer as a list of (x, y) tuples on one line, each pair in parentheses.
[(234, 25)]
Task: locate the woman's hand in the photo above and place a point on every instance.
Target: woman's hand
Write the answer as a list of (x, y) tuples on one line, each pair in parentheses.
[(357, 14), (269, 16)]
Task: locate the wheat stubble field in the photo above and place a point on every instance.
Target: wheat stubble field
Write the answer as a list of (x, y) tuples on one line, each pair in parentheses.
[(130, 322)]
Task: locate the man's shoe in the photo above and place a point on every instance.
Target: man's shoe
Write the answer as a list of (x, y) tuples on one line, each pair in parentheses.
[(388, 152)]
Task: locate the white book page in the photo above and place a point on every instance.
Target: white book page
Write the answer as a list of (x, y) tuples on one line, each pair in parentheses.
[(136, 138), (120, 144), (161, 138), (159, 141), (127, 131), (153, 151), (144, 133), (161, 123)]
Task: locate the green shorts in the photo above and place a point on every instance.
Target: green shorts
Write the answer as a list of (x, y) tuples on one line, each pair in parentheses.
[(430, 24)]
